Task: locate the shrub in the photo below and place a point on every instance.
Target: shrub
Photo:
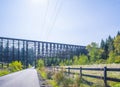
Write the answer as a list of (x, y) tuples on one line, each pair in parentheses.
[(83, 59), (43, 74), (67, 82), (4, 72), (29, 66), (117, 59), (15, 66), (49, 75), (78, 81), (101, 61), (111, 58), (40, 64), (53, 83), (59, 77)]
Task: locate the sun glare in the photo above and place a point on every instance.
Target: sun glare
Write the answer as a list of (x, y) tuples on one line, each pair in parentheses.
[(39, 1)]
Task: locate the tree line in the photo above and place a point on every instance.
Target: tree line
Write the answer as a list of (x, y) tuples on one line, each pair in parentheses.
[(107, 52)]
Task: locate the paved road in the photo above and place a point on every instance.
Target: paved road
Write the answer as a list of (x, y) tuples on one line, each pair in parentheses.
[(24, 78)]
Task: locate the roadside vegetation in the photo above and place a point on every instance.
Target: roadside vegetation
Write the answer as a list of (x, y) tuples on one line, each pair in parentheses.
[(13, 67), (62, 79), (91, 82), (107, 54), (56, 79)]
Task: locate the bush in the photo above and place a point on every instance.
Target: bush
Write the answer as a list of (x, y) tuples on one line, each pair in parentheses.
[(40, 64), (83, 59), (53, 83), (29, 66), (59, 77), (15, 66), (62, 80), (117, 59), (43, 74), (67, 82), (50, 74), (111, 58), (101, 61), (78, 81), (4, 72)]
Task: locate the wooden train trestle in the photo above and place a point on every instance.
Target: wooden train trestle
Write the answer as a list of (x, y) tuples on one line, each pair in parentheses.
[(28, 51)]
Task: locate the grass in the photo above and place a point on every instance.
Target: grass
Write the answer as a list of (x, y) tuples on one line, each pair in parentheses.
[(93, 82), (42, 73), (53, 83), (58, 79)]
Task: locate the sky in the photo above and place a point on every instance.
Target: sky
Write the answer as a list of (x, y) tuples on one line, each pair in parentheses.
[(78, 22)]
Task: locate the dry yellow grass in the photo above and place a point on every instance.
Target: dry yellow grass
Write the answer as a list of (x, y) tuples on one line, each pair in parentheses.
[(98, 73)]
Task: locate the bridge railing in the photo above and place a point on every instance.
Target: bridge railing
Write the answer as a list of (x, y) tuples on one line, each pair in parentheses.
[(81, 74)]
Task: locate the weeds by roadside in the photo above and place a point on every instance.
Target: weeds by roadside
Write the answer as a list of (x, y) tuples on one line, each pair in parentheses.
[(4, 72), (13, 67)]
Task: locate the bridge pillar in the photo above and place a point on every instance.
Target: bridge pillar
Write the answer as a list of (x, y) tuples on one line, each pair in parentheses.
[(35, 54), (26, 54), (23, 53), (38, 50), (18, 50), (7, 53), (13, 51), (50, 50), (1, 52)]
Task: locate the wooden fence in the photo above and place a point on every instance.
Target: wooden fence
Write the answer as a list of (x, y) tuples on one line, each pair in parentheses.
[(104, 77), (3, 65)]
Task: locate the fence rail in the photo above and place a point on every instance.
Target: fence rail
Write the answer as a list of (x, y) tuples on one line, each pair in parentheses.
[(104, 77), (2, 64)]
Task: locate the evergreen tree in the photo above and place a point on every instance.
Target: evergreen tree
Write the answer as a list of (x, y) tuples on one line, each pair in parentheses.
[(110, 44), (118, 33), (102, 44), (104, 47), (107, 46)]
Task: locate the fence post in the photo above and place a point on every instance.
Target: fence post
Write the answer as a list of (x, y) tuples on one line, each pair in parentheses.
[(7, 65), (2, 65), (57, 68), (68, 70), (105, 76), (53, 68), (80, 72)]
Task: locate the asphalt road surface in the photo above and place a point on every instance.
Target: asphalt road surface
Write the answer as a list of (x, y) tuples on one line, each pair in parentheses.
[(24, 78)]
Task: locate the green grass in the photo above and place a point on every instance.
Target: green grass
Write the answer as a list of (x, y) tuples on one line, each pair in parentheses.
[(116, 85)]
